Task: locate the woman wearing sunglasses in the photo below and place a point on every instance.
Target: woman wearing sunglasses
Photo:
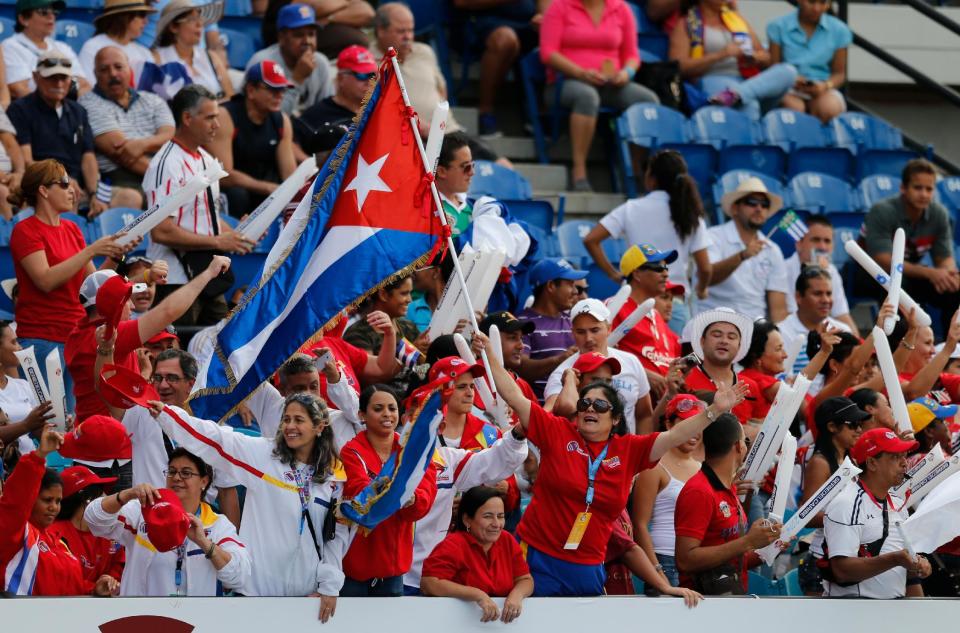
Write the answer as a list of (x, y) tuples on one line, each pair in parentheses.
[(51, 260), (839, 423), (211, 557), (586, 472)]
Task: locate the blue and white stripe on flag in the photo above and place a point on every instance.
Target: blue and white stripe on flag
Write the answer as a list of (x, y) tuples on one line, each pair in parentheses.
[(400, 476)]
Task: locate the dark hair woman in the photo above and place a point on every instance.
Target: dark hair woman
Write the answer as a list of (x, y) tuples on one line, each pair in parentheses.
[(477, 561), (764, 362), (670, 217), (119, 24)]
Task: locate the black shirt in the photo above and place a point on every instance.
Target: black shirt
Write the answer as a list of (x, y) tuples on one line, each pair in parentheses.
[(321, 124), (65, 138), (255, 145)]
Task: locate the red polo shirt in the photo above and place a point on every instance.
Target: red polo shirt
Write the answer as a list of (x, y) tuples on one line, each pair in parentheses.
[(560, 493), (946, 390), (387, 550), (98, 556), (80, 353), (711, 513), (460, 558), (649, 340), (697, 380)]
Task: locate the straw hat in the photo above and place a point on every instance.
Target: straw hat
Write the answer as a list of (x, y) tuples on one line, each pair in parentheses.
[(699, 324), (210, 12), (116, 7), (748, 187)]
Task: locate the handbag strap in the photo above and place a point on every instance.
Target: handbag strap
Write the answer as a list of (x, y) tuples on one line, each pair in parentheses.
[(313, 534), (211, 209)]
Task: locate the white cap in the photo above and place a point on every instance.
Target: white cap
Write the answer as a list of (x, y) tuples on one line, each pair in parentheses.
[(593, 307), (91, 285)]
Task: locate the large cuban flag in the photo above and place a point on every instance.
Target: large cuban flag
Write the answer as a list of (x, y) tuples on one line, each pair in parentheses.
[(368, 219)]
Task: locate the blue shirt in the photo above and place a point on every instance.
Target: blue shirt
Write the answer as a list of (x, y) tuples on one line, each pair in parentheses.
[(420, 313), (812, 57)]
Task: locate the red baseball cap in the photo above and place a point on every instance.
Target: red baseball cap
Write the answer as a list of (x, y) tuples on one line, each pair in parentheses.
[(112, 297), (591, 361), (163, 335), (99, 438), (451, 367), (125, 388), (269, 73), (356, 59), (76, 478), (880, 440), (683, 406), (166, 521), (676, 289)]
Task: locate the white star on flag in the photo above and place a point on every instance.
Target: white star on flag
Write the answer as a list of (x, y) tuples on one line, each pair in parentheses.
[(368, 179)]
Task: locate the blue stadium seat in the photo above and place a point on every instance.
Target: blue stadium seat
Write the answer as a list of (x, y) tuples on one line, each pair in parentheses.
[(430, 20), (74, 33), (765, 159), (758, 585), (6, 263), (571, 234), (721, 127), (491, 179), (646, 125), (949, 190), (730, 180), (601, 286), (857, 132), (240, 47), (846, 226), (790, 584), (614, 249), (889, 162), (791, 130), (820, 193), (831, 160), (230, 221), (112, 220), (874, 188), (701, 162), (6, 227), (536, 213), (248, 24), (6, 27), (237, 8)]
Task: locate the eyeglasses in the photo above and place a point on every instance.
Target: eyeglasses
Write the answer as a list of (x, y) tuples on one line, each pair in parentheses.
[(582, 290), (53, 62), (466, 168), (756, 202), (63, 183), (359, 76), (184, 474), (599, 405), (47, 12), (172, 379), (656, 268)]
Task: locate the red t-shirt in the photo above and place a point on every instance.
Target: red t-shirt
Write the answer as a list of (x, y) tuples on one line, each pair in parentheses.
[(28, 554), (764, 382), (712, 514), (648, 340), (749, 409), (387, 550), (460, 558), (350, 359), (560, 493), (97, 556), (80, 353), (47, 315), (946, 390)]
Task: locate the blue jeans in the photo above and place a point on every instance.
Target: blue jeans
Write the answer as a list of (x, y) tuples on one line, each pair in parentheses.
[(391, 587), (761, 91), (41, 348), (669, 564)]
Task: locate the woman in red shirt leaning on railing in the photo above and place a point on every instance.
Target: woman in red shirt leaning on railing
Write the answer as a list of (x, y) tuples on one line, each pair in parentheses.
[(477, 561)]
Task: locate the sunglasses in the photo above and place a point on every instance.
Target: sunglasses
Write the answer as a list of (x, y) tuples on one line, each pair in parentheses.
[(853, 425), (599, 405), (656, 268), (359, 76), (63, 183), (756, 202), (53, 62), (47, 12), (582, 290)]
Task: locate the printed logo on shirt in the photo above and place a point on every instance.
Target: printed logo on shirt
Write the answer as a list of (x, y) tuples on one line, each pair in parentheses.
[(725, 509), (573, 447), (43, 547), (657, 358), (612, 463), (114, 547), (624, 386)]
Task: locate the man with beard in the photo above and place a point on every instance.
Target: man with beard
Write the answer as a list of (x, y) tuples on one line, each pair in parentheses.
[(721, 338), (861, 518), (749, 274), (128, 126)]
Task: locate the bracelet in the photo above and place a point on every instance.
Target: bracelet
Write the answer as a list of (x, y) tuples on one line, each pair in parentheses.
[(908, 346), (119, 501), (104, 351), (209, 553)]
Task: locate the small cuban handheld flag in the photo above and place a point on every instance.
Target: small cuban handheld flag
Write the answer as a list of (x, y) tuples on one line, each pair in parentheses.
[(397, 481), (792, 224), (365, 222)]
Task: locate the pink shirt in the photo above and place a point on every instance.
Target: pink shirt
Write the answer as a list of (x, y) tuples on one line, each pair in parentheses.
[(568, 29)]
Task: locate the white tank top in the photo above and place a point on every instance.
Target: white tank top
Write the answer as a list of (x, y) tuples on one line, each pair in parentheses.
[(662, 531)]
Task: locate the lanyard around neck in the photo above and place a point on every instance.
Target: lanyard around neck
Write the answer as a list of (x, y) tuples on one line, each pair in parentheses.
[(593, 466)]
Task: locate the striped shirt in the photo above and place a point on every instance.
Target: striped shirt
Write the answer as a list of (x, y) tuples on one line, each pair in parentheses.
[(145, 114), (169, 170), (552, 337)]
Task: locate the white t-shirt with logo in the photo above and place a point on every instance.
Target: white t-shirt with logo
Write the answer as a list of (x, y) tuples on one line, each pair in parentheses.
[(17, 400), (631, 383)]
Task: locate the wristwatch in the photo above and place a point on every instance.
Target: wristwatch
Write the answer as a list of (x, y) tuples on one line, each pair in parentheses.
[(711, 414)]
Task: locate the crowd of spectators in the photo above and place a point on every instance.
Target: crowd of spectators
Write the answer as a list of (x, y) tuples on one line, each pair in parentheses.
[(617, 466)]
